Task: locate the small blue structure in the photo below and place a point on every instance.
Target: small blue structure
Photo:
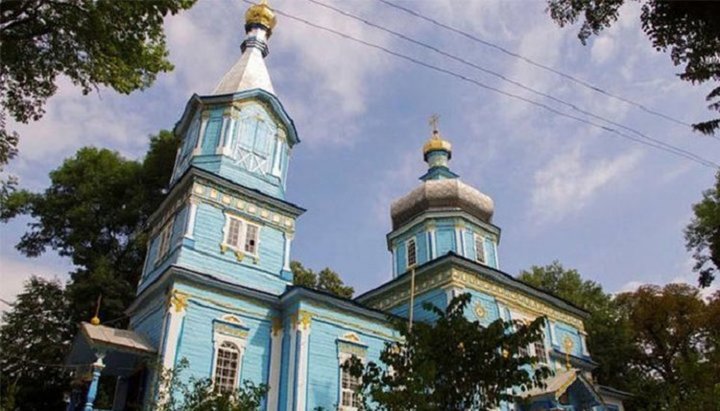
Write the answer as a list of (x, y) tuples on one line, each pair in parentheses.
[(216, 287)]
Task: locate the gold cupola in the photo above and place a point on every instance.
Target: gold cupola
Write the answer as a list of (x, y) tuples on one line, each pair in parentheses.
[(260, 14), (436, 142)]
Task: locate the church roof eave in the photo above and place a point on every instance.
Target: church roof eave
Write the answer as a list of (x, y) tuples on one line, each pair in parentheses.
[(499, 276), (197, 101), (192, 171)]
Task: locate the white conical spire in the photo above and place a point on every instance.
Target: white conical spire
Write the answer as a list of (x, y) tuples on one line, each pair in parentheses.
[(250, 71)]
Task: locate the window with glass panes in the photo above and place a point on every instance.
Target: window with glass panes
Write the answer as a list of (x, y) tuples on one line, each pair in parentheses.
[(227, 364), (411, 252), (479, 248), (251, 239), (540, 352), (165, 237), (350, 394), (241, 235)]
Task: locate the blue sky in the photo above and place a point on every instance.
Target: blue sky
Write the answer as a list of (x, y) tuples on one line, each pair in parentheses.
[(611, 208)]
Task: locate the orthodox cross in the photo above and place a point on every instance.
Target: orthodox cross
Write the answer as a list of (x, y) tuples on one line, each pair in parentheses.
[(434, 120)]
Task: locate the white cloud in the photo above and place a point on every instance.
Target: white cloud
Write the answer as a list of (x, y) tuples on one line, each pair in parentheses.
[(15, 272), (569, 181), (602, 49)]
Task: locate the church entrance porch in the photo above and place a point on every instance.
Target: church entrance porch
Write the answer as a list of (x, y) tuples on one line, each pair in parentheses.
[(100, 351)]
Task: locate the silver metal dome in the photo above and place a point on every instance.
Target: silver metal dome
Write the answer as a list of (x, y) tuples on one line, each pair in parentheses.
[(445, 194)]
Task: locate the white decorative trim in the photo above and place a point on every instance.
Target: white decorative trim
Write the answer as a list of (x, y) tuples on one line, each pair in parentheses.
[(291, 368), (201, 136), (495, 253), (302, 368), (190, 227), (553, 336), (583, 344), (286, 250), (394, 261), (277, 154), (479, 237), (218, 340), (407, 252), (433, 248), (276, 338), (220, 149), (174, 318), (459, 241), (342, 358), (242, 235)]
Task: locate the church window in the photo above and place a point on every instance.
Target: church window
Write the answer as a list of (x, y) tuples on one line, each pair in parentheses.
[(540, 351), (233, 236), (227, 365), (479, 248), (350, 398), (256, 143), (241, 235), (165, 237), (411, 249), (251, 239)]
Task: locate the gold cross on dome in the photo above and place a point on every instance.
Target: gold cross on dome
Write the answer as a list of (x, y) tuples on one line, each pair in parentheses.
[(434, 120)]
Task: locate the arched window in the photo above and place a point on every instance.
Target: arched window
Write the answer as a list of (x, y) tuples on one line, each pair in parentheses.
[(227, 365)]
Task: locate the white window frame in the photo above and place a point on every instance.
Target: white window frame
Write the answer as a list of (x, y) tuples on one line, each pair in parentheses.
[(407, 252), (242, 235), (477, 237), (164, 240), (542, 357), (218, 340), (342, 358)]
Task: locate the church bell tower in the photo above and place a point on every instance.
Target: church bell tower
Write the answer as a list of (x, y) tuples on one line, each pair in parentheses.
[(226, 217)]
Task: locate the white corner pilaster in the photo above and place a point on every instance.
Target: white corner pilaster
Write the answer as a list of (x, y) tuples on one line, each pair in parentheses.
[(276, 337), (291, 364), (459, 240), (201, 136), (286, 251), (394, 261), (175, 314), (304, 321), (192, 212), (277, 153)]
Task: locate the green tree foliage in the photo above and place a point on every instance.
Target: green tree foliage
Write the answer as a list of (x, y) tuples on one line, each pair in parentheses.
[(702, 235), (608, 336), (690, 30), (675, 353), (452, 364), (326, 280), (197, 394), (34, 337), (118, 44), (94, 212)]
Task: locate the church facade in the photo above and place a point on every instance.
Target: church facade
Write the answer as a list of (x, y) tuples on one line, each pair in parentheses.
[(216, 289)]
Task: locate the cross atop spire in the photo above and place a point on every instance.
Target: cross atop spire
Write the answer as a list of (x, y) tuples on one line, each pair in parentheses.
[(433, 122)]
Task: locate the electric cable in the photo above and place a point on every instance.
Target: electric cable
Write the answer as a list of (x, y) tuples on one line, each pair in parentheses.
[(502, 77), (699, 160), (534, 63)]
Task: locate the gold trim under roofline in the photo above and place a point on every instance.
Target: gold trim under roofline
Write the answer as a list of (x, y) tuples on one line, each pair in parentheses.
[(454, 277)]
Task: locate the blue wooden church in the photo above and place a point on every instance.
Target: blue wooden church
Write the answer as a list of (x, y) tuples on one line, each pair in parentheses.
[(216, 288)]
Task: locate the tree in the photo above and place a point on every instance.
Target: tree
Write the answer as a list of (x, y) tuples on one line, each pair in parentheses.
[(197, 394), (609, 339), (118, 44), (95, 212), (35, 336), (690, 30), (675, 340), (326, 280), (702, 235), (452, 364)]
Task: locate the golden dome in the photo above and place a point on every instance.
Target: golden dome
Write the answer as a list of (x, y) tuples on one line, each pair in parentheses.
[(261, 14), (436, 143), (95, 320)]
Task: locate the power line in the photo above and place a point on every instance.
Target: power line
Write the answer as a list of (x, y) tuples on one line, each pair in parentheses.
[(535, 63), (702, 161), (504, 78)]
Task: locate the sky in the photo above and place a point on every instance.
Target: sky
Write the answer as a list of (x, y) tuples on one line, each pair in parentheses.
[(609, 207)]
